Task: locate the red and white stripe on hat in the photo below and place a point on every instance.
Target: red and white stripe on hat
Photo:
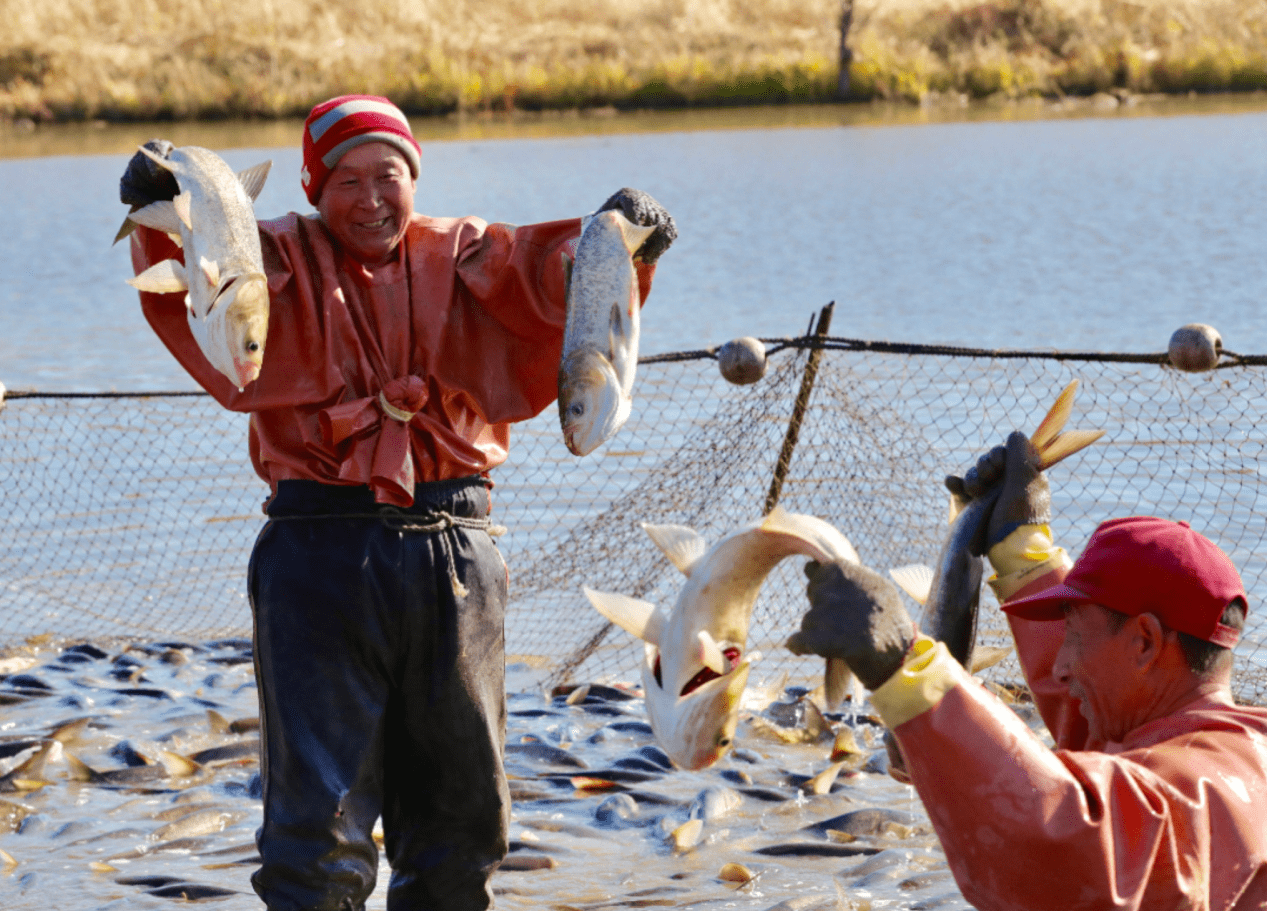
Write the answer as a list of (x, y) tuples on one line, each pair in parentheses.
[(335, 126)]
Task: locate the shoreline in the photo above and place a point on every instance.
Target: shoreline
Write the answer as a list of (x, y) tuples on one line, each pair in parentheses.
[(100, 137), (110, 63)]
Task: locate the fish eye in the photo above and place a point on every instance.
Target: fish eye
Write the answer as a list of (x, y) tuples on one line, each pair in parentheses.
[(723, 741), (576, 409), (252, 347)]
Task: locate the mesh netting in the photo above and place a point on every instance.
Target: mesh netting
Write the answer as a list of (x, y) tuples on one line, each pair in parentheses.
[(133, 516)]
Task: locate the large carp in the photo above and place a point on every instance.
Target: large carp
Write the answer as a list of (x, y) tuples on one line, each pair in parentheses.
[(600, 339), (951, 590), (213, 220), (696, 665)]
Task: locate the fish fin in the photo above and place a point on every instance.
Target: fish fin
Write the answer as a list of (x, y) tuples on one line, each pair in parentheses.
[(210, 271), (69, 730), (1054, 421), (125, 229), (568, 262), (156, 158), (710, 653), (836, 679), (161, 216), (217, 722), (821, 783), (683, 546), (33, 768), (252, 179), (915, 579), (177, 766), (1066, 444), (640, 618), (164, 277), (987, 656), (956, 506), (183, 204), (80, 770), (633, 235)]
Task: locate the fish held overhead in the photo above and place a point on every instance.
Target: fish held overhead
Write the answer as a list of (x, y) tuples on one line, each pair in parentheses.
[(213, 220), (600, 339), (950, 592), (696, 663)]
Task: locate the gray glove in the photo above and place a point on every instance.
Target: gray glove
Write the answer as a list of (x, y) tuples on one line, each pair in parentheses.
[(1011, 474), (144, 182), (641, 209), (856, 615)]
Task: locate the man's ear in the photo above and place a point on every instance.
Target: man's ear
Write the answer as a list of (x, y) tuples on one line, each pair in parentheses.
[(1149, 641)]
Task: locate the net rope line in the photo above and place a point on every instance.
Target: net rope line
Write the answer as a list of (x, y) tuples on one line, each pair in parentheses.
[(132, 514)]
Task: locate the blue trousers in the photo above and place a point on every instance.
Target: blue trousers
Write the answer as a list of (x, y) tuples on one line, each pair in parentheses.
[(380, 660)]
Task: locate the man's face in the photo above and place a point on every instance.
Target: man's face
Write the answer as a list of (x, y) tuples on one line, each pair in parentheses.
[(1095, 663), (367, 201)]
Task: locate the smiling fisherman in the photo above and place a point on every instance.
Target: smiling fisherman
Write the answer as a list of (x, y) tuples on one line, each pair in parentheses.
[(1156, 797), (400, 349)]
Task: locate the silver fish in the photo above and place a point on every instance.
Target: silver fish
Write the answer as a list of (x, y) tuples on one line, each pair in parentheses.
[(600, 339), (696, 664), (950, 592), (213, 220)]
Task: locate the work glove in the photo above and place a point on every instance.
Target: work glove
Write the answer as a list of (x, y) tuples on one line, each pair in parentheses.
[(1011, 473), (144, 182), (641, 209), (856, 615)]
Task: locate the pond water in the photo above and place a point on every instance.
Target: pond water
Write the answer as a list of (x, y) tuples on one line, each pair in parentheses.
[(1073, 232)]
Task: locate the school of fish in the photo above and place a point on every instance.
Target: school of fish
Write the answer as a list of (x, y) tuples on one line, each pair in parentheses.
[(129, 778), (213, 220)]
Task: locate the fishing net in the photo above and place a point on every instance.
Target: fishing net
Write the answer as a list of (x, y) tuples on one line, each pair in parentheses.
[(132, 516)]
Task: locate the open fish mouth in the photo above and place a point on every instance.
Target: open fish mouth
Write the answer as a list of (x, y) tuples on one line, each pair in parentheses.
[(705, 675)]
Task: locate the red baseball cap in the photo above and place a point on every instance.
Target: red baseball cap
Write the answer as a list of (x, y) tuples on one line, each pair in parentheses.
[(1142, 564)]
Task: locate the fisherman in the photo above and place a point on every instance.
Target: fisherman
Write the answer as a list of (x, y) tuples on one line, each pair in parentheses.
[(1154, 796), (400, 349)]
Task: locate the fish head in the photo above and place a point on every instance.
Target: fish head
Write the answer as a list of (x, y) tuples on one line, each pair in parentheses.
[(592, 406), (246, 324), (697, 728)]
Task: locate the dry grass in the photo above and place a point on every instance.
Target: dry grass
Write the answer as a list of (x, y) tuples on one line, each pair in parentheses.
[(149, 59)]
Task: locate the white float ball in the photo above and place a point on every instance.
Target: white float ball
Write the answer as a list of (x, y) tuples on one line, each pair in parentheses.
[(1195, 347), (742, 360)]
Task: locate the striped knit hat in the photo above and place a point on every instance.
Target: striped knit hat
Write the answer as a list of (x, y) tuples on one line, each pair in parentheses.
[(340, 124)]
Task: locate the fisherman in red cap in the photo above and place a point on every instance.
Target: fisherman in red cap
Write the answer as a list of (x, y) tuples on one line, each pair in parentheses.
[(400, 349), (1156, 794)]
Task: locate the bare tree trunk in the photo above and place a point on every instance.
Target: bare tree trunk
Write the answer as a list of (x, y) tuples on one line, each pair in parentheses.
[(846, 55)]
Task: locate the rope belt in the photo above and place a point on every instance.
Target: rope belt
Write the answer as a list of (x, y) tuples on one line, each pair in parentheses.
[(424, 523)]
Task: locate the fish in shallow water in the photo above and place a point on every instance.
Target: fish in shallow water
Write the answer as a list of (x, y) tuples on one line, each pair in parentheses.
[(600, 339), (951, 590), (696, 663), (213, 220)]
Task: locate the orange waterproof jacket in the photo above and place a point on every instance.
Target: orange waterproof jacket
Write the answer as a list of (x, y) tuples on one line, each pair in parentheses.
[(1173, 818), (406, 374)]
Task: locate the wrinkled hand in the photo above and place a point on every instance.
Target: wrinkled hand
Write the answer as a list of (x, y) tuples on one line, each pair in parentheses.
[(641, 209), (144, 182), (856, 615), (1024, 497)]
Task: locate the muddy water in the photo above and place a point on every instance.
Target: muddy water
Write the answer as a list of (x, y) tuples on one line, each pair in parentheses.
[(157, 837)]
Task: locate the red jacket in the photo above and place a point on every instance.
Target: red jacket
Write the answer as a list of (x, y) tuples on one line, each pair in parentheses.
[(1173, 818), (463, 331)]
